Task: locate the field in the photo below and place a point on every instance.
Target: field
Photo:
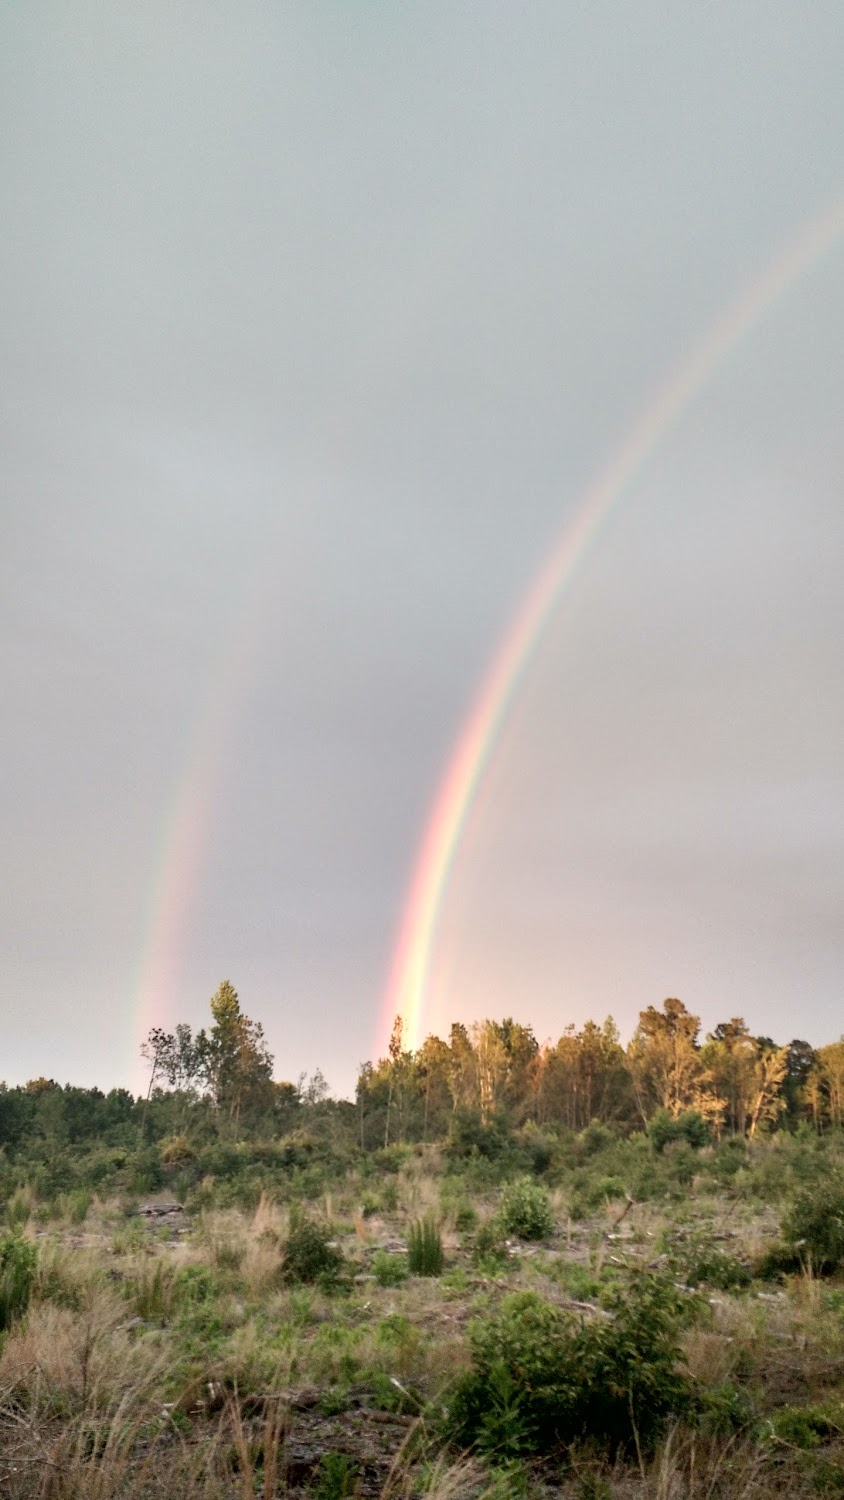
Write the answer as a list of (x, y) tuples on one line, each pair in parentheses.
[(581, 1314)]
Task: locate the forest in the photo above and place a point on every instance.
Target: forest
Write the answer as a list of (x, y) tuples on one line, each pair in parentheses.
[(505, 1270)]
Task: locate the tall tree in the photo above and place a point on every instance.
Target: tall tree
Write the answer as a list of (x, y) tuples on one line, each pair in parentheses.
[(237, 1063), (462, 1070), (831, 1069), (666, 1066), (731, 1055), (771, 1072)]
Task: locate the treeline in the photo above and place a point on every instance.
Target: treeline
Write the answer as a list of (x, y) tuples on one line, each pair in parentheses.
[(667, 1078), (215, 1087)]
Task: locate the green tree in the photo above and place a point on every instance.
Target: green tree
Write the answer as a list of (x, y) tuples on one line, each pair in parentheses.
[(731, 1055), (236, 1062), (666, 1066)]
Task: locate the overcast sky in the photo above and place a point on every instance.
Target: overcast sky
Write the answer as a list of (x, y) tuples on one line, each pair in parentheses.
[(317, 322)]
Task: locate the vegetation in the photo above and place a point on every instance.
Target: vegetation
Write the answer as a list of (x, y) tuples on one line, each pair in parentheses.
[(425, 1249), (503, 1270)]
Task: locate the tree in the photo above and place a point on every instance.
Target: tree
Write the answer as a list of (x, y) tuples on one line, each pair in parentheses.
[(796, 1088), (491, 1064), (462, 1069), (771, 1070), (731, 1055), (831, 1069), (666, 1066), (398, 1064), (431, 1066), (236, 1062)]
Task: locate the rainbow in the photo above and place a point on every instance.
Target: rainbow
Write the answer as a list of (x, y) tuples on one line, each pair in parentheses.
[(406, 989), (183, 834)]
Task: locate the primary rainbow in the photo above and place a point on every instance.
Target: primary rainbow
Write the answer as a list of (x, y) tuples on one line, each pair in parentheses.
[(406, 989)]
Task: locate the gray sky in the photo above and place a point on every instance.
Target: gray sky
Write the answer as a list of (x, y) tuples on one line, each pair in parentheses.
[(317, 321)]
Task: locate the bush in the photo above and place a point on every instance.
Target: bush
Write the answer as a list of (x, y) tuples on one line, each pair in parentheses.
[(309, 1255), (526, 1210), (592, 1193), (18, 1267), (471, 1136), (389, 1270), (814, 1226), (541, 1377), (425, 1249), (489, 1250), (698, 1260), (690, 1126)]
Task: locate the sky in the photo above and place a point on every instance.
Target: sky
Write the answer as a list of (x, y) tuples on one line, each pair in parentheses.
[(319, 321)]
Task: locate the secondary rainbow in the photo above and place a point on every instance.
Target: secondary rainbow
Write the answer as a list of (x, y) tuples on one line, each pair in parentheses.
[(406, 988)]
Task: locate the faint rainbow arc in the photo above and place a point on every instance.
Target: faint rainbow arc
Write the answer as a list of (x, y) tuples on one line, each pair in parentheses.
[(406, 987)]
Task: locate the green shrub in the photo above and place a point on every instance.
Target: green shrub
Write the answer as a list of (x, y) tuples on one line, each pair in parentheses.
[(526, 1210), (471, 1136), (387, 1394), (814, 1225), (336, 1478), (489, 1250), (389, 1270), (542, 1377), (465, 1218), (74, 1206), (698, 1260), (592, 1193), (309, 1255), (425, 1249), (18, 1267), (664, 1129)]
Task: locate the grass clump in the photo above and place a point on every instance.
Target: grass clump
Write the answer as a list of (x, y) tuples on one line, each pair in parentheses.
[(425, 1256), (526, 1210)]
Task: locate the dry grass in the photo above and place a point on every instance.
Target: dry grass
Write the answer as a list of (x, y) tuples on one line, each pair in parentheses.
[(59, 1359)]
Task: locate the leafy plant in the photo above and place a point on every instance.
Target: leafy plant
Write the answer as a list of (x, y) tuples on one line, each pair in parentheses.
[(526, 1210), (689, 1126), (425, 1255), (389, 1270), (18, 1267), (698, 1260), (489, 1250), (541, 1377), (336, 1477), (309, 1254), (814, 1225)]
